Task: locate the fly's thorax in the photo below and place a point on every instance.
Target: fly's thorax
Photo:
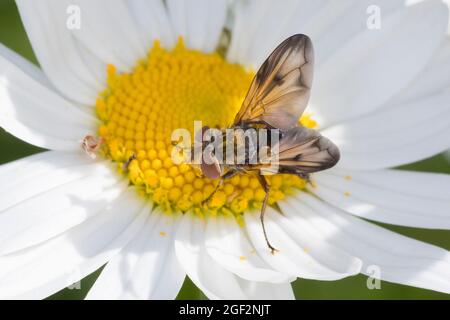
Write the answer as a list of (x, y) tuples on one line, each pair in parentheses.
[(239, 146)]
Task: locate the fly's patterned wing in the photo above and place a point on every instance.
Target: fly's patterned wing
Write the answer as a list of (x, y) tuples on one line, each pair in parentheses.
[(302, 151), (280, 90)]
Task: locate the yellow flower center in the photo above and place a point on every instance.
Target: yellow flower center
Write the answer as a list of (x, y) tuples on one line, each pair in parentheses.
[(169, 90)]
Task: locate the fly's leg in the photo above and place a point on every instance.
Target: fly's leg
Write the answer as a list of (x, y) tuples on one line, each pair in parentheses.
[(214, 192), (266, 187), (305, 176), (230, 174), (127, 164)]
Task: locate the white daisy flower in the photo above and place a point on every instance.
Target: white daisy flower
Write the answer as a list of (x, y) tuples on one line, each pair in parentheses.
[(124, 76)]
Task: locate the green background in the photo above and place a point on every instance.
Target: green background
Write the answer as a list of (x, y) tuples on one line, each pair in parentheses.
[(13, 35)]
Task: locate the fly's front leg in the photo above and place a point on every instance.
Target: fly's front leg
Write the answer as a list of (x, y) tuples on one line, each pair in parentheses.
[(230, 174), (266, 187), (128, 162), (305, 176)]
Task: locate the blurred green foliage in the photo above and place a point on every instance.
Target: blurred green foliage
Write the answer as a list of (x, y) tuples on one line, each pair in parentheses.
[(12, 34)]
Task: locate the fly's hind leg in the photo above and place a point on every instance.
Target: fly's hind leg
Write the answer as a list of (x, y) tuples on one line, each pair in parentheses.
[(305, 176), (230, 174), (266, 187)]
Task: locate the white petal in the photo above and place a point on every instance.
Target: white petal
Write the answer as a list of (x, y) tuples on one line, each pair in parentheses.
[(42, 196), (26, 66), (434, 79), (267, 291), (375, 65), (416, 130), (34, 165), (258, 29), (400, 259), (146, 268), (199, 22), (109, 30), (37, 115), (300, 252), (40, 271), (96, 66), (153, 21), (413, 199), (340, 21), (208, 275), (259, 26), (58, 51), (230, 247)]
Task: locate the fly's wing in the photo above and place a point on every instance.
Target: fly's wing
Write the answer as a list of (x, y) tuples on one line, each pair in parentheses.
[(302, 151), (280, 90)]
